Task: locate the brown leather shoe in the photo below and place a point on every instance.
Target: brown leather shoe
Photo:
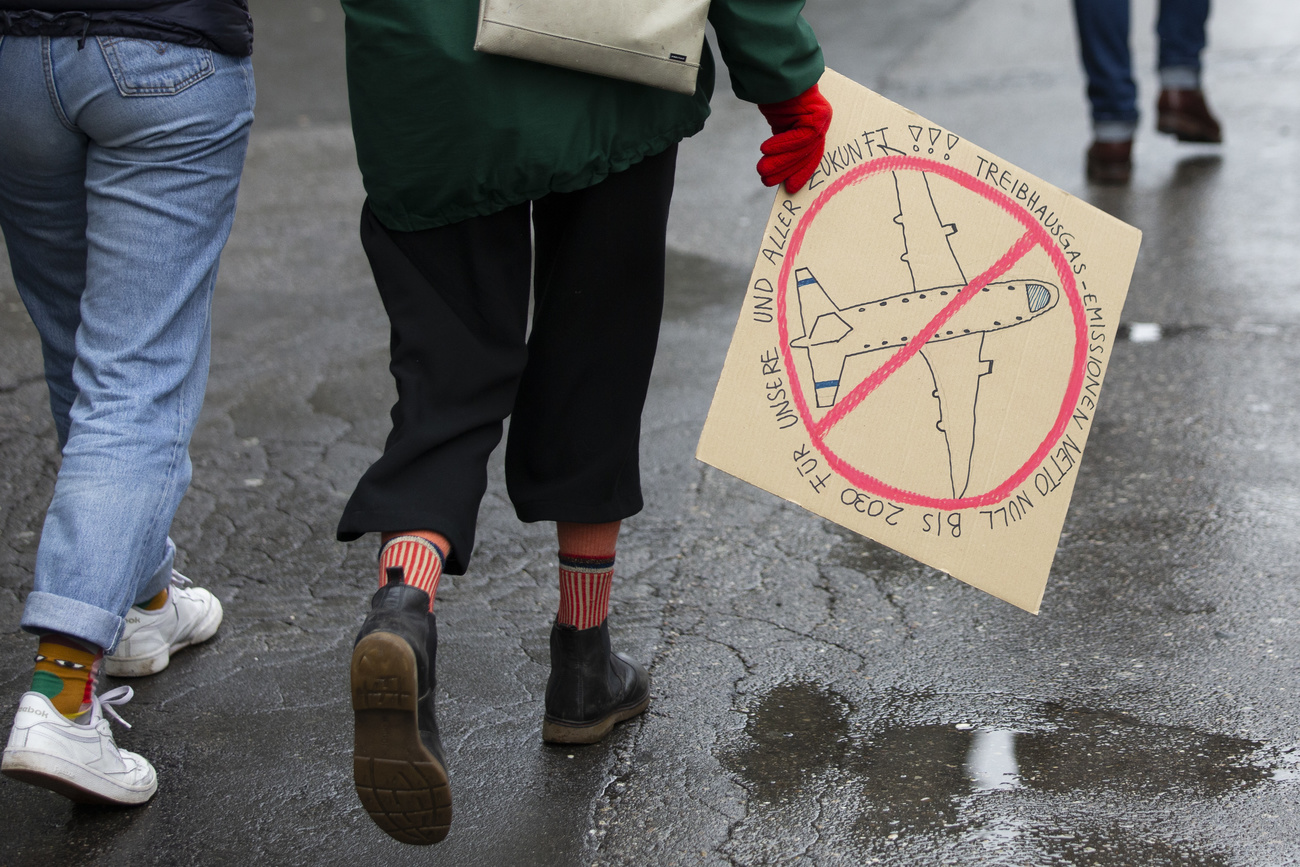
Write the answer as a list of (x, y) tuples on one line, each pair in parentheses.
[(1110, 162), (1183, 113)]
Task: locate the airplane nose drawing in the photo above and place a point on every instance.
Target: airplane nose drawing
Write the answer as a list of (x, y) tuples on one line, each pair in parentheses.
[(1040, 297)]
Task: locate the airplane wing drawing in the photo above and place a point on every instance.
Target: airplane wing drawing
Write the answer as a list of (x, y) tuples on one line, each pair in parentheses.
[(927, 252), (832, 334), (956, 367)]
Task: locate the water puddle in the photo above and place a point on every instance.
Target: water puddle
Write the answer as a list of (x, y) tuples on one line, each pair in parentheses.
[(1061, 786), (803, 729), (1089, 749)]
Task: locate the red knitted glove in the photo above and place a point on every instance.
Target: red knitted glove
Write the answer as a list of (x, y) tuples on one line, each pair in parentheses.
[(795, 149)]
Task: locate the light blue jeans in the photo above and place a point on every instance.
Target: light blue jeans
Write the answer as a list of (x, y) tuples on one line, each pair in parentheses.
[(119, 165)]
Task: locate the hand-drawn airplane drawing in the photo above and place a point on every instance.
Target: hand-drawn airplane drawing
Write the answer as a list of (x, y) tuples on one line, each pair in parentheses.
[(832, 334)]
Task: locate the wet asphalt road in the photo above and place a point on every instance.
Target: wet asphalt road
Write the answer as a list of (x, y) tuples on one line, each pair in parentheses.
[(817, 699)]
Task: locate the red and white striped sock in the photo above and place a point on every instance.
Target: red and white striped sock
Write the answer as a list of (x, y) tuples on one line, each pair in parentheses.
[(420, 559), (586, 572)]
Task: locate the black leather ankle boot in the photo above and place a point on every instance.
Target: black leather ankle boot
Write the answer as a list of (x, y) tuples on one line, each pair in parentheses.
[(398, 762), (591, 688)]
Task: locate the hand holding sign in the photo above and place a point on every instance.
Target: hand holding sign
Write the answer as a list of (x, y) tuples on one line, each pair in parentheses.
[(798, 139)]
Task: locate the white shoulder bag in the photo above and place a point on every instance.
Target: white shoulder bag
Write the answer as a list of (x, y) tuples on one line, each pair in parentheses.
[(655, 42)]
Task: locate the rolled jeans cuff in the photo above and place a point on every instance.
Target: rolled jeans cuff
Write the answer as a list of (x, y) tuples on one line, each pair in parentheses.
[(1180, 78), (50, 612), (1113, 130), (46, 612)]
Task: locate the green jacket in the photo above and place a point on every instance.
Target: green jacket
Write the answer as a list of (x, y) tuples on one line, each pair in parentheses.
[(444, 133)]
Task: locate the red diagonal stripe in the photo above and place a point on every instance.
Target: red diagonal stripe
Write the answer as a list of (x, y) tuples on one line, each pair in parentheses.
[(912, 347)]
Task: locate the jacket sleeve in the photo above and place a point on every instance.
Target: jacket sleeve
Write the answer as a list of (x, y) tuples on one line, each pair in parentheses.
[(770, 51)]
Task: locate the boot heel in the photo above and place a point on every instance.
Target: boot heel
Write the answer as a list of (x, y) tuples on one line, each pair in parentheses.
[(558, 733), (383, 674)]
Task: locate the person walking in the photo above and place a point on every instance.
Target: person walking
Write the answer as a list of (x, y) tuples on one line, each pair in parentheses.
[(490, 179), (1181, 109), (126, 125)]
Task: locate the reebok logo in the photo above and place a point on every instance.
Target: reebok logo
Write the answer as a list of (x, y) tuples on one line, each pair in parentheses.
[(40, 713)]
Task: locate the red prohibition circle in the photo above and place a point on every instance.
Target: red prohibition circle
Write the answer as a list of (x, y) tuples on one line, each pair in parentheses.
[(1035, 236)]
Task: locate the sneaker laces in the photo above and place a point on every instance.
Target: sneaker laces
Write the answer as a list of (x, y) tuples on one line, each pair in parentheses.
[(179, 580), (101, 704)]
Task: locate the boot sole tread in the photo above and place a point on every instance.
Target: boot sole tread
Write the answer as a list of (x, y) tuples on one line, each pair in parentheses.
[(401, 784)]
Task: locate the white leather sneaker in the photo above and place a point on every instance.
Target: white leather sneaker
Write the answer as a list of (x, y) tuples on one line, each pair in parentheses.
[(191, 616), (77, 758)]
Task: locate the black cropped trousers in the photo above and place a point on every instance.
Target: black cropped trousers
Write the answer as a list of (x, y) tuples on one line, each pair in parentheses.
[(465, 359)]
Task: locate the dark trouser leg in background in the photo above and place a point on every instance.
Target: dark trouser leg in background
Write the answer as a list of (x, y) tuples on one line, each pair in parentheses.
[(1181, 110), (1103, 27)]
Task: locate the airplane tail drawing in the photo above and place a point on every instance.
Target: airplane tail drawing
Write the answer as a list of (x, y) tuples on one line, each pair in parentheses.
[(823, 329)]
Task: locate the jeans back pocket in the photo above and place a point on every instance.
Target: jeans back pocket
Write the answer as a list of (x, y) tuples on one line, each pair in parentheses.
[(145, 68)]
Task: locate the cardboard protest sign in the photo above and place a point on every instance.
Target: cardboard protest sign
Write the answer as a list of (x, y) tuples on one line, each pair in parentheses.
[(922, 347)]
